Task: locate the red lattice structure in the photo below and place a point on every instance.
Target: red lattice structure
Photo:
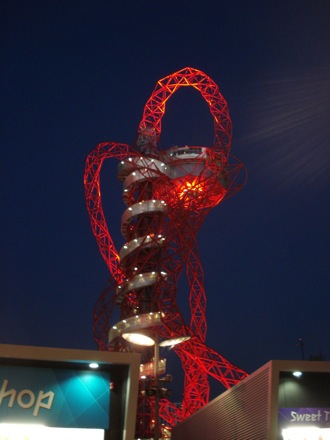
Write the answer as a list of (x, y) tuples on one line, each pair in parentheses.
[(168, 194)]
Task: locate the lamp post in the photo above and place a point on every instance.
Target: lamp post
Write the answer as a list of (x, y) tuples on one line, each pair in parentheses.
[(156, 372), (132, 330), (143, 340)]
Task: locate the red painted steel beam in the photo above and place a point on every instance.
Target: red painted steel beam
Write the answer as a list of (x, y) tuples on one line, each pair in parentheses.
[(167, 194)]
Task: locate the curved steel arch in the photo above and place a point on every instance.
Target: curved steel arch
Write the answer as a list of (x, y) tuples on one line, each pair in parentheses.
[(149, 129)]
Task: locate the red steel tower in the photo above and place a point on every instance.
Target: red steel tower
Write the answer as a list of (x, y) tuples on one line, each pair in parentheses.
[(168, 194)]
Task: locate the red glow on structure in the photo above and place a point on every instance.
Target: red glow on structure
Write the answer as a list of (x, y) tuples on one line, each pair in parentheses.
[(167, 194), (190, 189)]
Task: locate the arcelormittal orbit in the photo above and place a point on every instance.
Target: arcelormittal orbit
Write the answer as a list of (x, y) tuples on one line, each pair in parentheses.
[(168, 194)]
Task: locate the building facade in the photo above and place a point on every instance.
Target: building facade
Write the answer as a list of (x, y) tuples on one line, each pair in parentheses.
[(283, 400), (52, 393)]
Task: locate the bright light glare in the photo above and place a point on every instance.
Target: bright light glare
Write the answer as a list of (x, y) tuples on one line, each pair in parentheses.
[(174, 341), (297, 373), (192, 187), (139, 339), (289, 110), (306, 433), (39, 432), (93, 365)]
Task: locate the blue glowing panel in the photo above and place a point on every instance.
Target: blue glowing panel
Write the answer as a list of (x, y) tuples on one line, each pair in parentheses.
[(55, 397)]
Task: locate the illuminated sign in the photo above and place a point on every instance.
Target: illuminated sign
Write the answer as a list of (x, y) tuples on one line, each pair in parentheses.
[(319, 417), (306, 433), (54, 397), (38, 432)]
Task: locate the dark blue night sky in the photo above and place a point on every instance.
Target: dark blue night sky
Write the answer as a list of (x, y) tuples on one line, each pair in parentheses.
[(75, 73)]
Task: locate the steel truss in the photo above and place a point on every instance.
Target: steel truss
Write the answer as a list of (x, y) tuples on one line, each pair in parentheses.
[(168, 194)]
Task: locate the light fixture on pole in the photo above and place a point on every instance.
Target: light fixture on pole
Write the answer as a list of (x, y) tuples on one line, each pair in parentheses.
[(139, 339), (174, 341), (135, 324), (131, 329), (144, 340)]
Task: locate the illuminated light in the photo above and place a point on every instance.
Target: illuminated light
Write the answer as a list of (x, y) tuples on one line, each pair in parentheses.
[(136, 268), (31, 431), (195, 187), (130, 159), (125, 246), (297, 373), (174, 341), (115, 327), (139, 339), (93, 365), (306, 432), (134, 173), (130, 209), (16, 427)]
